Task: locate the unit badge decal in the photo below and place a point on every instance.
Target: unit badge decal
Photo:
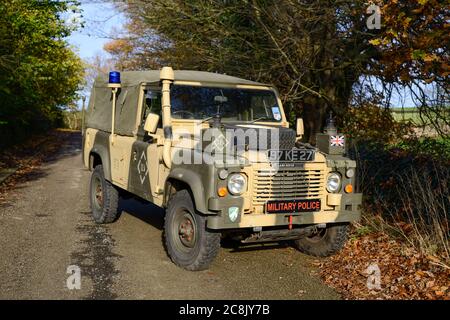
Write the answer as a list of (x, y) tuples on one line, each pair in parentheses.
[(142, 167)]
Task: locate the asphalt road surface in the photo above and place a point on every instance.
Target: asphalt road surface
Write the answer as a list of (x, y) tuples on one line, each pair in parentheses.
[(46, 226)]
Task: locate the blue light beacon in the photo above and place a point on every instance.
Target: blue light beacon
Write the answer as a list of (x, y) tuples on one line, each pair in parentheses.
[(114, 79)]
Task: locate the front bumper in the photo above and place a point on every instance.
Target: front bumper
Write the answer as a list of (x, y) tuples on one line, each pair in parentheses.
[(348, 210)]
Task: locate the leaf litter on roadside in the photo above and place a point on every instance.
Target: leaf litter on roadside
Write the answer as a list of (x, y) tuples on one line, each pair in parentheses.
[(404, 273)]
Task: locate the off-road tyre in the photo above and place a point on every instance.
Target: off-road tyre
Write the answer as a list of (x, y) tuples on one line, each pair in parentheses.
[(326, 242), (104, 198), (189, 244)]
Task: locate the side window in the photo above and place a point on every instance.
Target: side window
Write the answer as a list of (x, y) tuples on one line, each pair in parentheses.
[(152, 104)]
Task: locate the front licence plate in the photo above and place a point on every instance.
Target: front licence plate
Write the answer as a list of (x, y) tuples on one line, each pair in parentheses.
[(292, 206), (293, 155)]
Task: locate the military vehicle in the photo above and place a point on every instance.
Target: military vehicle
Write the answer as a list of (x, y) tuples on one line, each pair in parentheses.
[(185, 141)]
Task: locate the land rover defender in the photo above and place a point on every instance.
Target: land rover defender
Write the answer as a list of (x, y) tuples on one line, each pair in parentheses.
[(216, 152)]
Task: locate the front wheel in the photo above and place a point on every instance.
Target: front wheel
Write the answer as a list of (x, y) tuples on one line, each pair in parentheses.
[(189, 243), (325, 242)]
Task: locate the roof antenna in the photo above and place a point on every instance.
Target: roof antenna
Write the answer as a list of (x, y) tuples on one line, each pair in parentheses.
[(330, 127)]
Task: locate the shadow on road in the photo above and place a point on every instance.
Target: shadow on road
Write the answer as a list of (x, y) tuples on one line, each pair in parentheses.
[(154, 216), (235, 246), (143, 210)]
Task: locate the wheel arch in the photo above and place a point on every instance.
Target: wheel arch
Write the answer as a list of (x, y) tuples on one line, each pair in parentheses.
[(98, 155), (180, 179)]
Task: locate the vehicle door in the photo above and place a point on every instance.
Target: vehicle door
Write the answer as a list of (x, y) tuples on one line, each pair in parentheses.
[(147, 150)]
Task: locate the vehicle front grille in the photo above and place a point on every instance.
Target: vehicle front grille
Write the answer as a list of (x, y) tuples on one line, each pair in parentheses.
[(285, 184)]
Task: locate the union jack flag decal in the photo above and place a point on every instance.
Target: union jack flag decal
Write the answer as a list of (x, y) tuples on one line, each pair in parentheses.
[(337, 141)]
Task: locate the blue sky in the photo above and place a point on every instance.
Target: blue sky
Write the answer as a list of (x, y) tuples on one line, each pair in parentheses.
[(101, 20)]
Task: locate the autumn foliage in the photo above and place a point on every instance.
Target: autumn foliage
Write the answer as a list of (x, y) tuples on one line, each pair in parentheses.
[(372, 123), (314, 52), (414, 41), (39, 73)]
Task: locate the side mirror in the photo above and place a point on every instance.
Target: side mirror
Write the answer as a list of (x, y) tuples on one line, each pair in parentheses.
[(151, 123), (220, 99), (300, 128)]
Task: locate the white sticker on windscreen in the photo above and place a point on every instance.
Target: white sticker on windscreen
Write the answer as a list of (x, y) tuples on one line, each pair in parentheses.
[(276, 113)]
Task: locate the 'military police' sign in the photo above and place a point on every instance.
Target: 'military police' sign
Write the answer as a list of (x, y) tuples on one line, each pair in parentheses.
[(292, 206)]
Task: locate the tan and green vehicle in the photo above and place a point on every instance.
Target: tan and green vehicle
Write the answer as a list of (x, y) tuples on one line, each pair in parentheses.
[(216, 152)]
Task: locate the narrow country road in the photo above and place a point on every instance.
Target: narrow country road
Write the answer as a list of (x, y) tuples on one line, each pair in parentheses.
[(46, 226)]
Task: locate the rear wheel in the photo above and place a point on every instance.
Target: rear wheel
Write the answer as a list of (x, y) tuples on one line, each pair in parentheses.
[(189, 243), (104, 198), (325, 242)]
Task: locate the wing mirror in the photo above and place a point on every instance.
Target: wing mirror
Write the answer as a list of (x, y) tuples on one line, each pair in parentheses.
[(151, 123), (220, 99), (300, 128)]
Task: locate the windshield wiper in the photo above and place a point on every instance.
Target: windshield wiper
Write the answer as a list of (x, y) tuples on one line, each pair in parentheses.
[(206, 119), (261, 118)]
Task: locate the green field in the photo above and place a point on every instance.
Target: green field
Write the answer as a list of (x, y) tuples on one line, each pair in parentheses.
[(407, 114), (410, 114)]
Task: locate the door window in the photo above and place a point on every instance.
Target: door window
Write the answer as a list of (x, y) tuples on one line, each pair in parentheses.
[(152, 104)]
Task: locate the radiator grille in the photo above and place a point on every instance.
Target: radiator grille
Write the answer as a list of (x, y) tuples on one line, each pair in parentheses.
[(287, 185)]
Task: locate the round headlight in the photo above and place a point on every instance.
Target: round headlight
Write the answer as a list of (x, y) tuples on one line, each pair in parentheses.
[(333, 182), (236, 183)]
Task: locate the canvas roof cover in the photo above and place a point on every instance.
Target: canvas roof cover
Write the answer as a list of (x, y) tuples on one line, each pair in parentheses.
[(100, 103), (132, 78)]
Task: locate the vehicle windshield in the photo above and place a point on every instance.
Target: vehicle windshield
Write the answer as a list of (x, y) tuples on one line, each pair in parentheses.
[(247, 105)]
